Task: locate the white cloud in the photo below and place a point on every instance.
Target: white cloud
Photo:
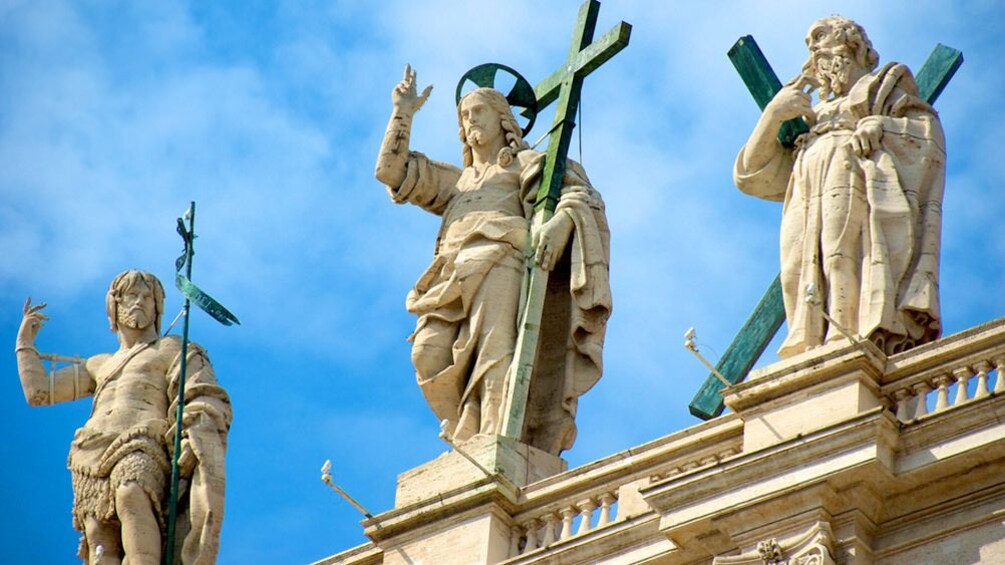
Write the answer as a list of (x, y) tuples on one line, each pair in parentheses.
[(107, 134)]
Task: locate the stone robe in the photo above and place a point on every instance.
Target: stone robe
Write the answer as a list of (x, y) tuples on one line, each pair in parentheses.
[(867, 230), (468, 298), (101, 459)]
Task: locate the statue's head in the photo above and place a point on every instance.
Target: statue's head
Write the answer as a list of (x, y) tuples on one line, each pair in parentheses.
[(135, 300), (837, 46), (483, 114)]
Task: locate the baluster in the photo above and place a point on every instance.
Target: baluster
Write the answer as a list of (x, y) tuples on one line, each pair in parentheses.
[(942, 400), (983, 368), (962, 376), (568, 515), (903, 397), (515, 535), (999, 380), (586, 509), (550, 521), (531, 528), (921, 391), (606, 501)]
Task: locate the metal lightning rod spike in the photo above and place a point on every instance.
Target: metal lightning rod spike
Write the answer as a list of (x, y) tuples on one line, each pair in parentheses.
[(175, 321), (813, 300), (446, 437), (326, 478), (690, 345)]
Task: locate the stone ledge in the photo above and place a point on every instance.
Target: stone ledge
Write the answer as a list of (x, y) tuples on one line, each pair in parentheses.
[(616, 538), (858, 450)]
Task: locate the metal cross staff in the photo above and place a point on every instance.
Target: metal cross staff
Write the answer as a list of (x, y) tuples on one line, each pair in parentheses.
[(764, 322), (192, 293), (565, 85)]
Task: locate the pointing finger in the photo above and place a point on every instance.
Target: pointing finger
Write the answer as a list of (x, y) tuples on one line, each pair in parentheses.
[(408, 71), (27, 305)]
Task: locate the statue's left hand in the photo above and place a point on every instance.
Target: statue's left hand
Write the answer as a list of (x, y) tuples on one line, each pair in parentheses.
[(868, 133), (550, 241)]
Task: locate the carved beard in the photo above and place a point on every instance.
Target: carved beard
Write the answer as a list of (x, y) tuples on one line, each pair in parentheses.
[(833, 69), (475, 136), (135, 318)]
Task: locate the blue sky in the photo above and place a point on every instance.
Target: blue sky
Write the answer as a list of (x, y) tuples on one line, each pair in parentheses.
[(114, 115)]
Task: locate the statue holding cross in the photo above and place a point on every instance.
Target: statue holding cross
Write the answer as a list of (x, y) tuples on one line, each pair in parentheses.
[(510, 216), (862, 192)]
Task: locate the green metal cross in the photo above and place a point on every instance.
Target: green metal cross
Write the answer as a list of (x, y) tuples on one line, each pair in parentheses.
[(565, 85), (762, 325)]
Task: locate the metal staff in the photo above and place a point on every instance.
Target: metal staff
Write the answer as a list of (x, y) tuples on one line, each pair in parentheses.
[(189, 238)]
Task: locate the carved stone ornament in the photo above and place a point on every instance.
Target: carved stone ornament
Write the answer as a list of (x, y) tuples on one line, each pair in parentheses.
[(811, 548), (770, 551)]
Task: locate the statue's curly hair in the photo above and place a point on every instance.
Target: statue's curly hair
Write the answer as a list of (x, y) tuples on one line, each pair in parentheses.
[(125, 281), (510, 127), (852, 35)]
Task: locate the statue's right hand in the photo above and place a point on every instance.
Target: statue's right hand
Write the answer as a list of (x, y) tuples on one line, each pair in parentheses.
[(30, 323), (405, 97), (790, 102)]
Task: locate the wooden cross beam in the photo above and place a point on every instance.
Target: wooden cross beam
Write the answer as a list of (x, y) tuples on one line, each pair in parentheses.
[(762, 325), (565, 85)]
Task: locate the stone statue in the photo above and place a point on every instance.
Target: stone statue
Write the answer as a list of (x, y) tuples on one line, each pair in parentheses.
[(121, 459), (467, 301), (862, 195)]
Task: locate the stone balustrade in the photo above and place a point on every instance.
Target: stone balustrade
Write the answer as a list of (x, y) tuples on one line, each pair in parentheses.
[(658, 499), (557, 525), (944, 375), (588, 500)]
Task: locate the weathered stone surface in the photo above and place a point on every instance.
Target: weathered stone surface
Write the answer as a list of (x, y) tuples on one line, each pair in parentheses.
[(516, 462), (467, 301), (862, 191), (120, 459), (852, 484)]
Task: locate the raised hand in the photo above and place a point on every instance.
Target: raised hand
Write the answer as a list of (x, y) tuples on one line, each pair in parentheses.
[(30, 323), (791, 102), (405, 97)]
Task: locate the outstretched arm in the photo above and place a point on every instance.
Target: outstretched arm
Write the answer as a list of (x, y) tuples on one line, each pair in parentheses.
[(393, 156), (68, 383)]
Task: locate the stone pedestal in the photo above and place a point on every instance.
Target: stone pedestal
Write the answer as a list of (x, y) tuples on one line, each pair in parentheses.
[(517, 463), (848, 458), (807, 392), (479, 536), (450, 511), (818, 445)]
